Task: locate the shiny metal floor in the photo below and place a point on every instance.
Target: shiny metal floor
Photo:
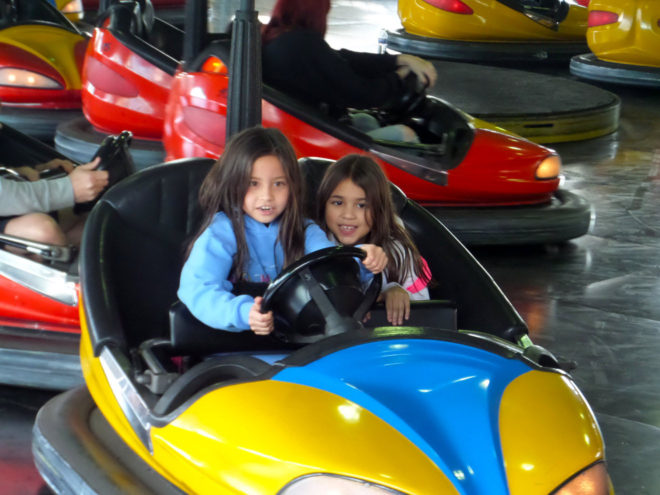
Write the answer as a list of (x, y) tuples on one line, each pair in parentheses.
[(594, 300)]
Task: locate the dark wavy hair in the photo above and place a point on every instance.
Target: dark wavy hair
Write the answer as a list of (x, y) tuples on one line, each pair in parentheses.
[(296, 14), (226, 184), (385, 229)]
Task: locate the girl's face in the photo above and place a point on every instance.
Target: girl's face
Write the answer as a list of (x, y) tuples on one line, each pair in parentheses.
[(268, 191), (347, 213)]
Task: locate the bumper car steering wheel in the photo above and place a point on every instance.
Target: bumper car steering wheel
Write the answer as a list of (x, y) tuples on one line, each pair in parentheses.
[(320, 295), (411, 99)]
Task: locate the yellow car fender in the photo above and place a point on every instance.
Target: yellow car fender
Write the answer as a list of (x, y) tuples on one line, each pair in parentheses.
[(55, 46), (633, 36)]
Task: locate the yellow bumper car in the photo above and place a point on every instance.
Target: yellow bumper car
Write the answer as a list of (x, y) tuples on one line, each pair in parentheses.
[(624, 39), (490, 30)]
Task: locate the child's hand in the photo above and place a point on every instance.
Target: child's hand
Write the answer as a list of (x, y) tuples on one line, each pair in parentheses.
[(397, 304), (260, 323), (376, 259)]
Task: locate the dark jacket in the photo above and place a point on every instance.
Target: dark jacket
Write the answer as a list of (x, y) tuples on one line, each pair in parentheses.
[(302, 64)]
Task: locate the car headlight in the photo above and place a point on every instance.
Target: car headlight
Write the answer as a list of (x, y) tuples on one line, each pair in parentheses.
[(328, 484), (594, 480), (26, 79), (549, 168)]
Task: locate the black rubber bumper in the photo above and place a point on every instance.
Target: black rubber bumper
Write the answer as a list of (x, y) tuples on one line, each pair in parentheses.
[(566, 217), (77, 139), (39, 359), (76, 451), (39, 124), (496, 51), (588, 66)]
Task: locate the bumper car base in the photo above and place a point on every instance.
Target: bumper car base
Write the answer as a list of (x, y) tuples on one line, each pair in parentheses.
[(566, 217), (476, 51), (76, 451), (39, 360), (77, 139), (588, 66)]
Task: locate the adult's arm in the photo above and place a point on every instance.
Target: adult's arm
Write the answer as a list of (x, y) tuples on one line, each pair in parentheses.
[(20, 198), (370, 64), (302, 63)]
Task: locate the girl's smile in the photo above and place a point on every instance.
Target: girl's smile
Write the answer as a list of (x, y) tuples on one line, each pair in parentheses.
[(268, 192), (347, 213)]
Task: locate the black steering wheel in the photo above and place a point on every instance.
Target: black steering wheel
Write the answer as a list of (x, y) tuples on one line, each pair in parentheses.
[(320, 295), (116, 159), (410, 100)]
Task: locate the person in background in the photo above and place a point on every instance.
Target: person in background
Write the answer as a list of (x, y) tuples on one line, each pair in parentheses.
[(298, 61), (25, 205)]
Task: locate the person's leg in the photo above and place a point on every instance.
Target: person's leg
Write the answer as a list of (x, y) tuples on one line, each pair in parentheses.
[(364, 122), (39, 227), (397, 133)]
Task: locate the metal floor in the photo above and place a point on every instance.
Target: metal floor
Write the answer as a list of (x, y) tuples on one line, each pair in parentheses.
[(594, 300)]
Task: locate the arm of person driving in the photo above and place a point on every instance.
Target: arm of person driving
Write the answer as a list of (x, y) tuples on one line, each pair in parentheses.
[(423, 69), (88, 183), (376, 259), (397, 304)]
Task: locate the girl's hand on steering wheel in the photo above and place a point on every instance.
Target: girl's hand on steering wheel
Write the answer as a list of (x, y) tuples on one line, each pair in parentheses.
[(376, 259), (260, 323)]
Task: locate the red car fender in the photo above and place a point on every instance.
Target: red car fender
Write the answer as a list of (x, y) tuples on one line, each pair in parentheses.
[(119, 86), (24, 308)]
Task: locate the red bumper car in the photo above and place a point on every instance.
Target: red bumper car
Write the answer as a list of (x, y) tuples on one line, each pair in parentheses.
[(39, 320), (41, 54), (487, 185), (127, 74)]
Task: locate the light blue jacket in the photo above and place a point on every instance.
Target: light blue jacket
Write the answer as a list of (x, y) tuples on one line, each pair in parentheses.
[(204, 286)]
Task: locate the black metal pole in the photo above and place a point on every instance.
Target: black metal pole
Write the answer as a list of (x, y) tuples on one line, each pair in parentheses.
[(244, 98)]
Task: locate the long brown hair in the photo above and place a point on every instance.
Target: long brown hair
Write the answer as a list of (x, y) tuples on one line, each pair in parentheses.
[(385, 230), (296, 14), (226, 184)]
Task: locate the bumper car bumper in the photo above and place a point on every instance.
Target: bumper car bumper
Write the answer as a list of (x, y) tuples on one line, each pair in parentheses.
[(482, 51), (565, 217), (588, 66), (37, 123), (70, 431), (39, 359)]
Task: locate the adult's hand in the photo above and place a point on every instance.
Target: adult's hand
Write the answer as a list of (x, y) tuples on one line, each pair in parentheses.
[(423, 69), (87, 182)]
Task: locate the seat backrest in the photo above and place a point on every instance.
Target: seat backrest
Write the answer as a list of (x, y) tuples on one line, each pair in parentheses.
[(132, 252)]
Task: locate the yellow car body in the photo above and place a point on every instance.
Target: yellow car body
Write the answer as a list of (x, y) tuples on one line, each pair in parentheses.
[(489, 20), (625, 31)]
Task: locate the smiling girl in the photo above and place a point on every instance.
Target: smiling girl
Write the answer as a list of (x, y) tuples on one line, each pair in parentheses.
[(355, 207)]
